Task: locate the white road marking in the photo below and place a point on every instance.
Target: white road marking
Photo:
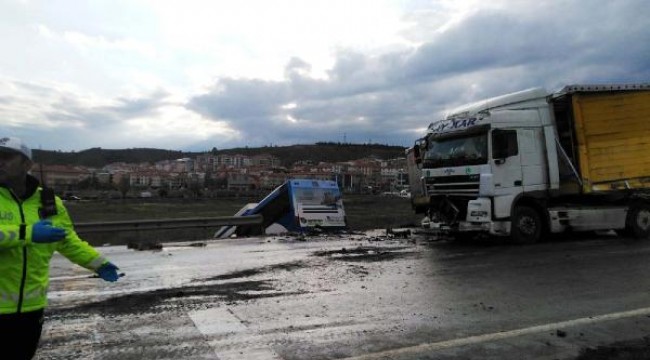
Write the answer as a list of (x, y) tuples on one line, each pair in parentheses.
[(221, 322), (216, 321), (414, 350)]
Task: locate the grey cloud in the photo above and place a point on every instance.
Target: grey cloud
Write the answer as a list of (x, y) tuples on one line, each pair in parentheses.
[(489, 53), (134, 107), (295, 66), (100, 125), (385, 97), (241, 98), (33, 89), (71, 115), (498, 40), (124, 108)]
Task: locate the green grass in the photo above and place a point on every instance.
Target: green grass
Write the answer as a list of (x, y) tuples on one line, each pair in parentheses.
[(132, 209)]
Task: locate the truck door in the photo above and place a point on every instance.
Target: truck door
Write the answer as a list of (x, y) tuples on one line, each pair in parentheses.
[(506, 163), (533, 166)]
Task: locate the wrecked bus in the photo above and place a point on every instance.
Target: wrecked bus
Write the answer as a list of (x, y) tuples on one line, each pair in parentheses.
[(298, 205)]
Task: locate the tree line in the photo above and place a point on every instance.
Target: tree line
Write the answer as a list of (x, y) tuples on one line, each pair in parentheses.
[(288, 155)]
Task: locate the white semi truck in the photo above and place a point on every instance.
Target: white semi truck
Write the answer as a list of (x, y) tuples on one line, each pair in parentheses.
[(531, 163)]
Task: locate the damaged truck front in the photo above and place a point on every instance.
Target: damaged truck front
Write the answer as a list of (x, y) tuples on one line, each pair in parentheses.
[(530, 163)]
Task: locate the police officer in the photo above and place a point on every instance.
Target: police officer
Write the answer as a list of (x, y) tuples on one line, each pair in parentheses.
[(28, 239)]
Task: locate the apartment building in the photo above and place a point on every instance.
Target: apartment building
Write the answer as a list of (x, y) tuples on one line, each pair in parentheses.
[(234, 172), (60, 176)]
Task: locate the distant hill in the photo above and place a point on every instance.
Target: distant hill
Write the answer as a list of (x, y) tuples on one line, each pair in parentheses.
[(328, 152), (98, 157)]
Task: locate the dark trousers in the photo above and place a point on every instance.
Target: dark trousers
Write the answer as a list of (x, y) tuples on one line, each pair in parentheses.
[(19, 335)]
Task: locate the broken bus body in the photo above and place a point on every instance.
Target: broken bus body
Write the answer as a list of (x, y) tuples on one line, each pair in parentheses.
[(297, 205)]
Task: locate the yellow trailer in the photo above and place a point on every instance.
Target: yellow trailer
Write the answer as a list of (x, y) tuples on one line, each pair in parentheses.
[(611, 136)]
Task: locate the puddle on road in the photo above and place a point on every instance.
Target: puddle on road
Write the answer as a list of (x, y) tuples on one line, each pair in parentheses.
[(182, 298), (365, 254)]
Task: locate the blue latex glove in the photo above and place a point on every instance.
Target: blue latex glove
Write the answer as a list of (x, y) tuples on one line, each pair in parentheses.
[(44, 232), (108, 272)]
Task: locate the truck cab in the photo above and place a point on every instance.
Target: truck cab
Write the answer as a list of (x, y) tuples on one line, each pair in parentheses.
[(498, 166), (477, 160)]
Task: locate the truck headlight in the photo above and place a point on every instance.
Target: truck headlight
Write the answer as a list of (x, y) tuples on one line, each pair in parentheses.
[(486, 185)]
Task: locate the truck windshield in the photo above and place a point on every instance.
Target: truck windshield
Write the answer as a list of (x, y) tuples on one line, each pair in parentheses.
[(457, 151)]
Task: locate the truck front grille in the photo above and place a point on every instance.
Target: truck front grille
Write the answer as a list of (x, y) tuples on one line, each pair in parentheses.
[(458, 185)]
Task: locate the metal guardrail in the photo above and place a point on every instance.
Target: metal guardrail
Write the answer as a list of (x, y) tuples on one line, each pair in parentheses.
[(166, 224)]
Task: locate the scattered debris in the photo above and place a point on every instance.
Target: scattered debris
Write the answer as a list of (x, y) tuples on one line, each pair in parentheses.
[(634, 349), (255, 271), (375, 238), (316, 230), (484, 306), (364, 253), (398, 233), (144, 245)]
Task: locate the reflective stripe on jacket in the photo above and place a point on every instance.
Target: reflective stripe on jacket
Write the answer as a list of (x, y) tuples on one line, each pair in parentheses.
[(24, 265)]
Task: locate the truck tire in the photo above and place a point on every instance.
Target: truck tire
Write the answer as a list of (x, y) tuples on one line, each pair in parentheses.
[(637, 224), (526, 225)]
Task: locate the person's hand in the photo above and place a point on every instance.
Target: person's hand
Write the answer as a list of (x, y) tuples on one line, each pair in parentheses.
[(108, 272), (44, 232)]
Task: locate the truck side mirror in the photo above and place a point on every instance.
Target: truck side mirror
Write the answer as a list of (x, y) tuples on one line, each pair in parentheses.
[(417, 154)]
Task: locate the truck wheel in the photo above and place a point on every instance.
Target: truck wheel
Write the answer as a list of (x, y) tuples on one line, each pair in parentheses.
[(637, 224), (526, 225)]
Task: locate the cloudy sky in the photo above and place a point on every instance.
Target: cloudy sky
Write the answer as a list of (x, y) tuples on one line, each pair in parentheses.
[(193, 75)]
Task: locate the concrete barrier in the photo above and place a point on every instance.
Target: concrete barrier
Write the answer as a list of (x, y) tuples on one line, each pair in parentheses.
[(166, 224)]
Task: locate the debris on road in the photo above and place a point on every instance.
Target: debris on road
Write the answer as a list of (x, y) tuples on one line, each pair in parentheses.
[(398, 233), (364, 253), (144, 245), (626, 350), (255, 271)]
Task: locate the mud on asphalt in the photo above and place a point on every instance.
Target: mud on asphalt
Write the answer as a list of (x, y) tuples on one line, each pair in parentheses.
[(204, 293), (161, 323)]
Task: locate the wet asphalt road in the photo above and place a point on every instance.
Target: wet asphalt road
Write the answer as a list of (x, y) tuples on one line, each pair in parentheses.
[(352, 297)]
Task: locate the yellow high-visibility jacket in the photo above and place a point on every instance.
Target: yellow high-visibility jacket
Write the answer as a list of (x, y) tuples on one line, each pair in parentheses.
[(24, 265)]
